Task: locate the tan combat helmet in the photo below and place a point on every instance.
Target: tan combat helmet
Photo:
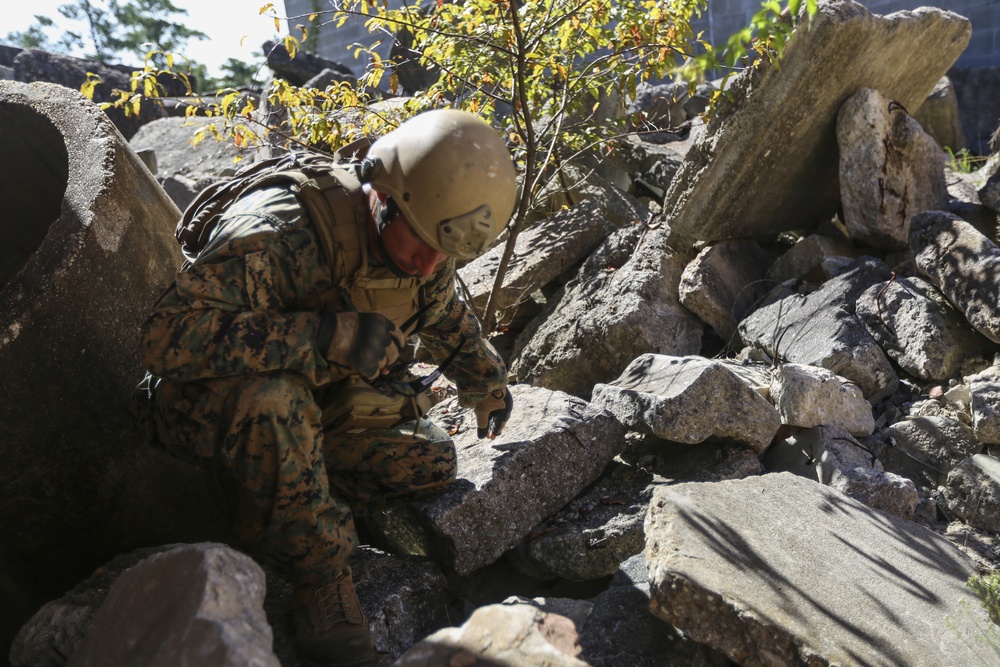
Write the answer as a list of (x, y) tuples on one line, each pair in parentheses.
[(452, 177)]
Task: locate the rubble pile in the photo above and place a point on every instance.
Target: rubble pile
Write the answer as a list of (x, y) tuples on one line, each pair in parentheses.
[(757, 409)]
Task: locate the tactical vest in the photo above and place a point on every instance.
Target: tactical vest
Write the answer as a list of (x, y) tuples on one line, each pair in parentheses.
[(331, 194)]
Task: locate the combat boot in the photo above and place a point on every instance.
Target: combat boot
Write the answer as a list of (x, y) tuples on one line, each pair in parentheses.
[(330, 628)]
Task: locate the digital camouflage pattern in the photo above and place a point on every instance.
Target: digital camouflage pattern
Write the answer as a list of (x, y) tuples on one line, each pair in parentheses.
[(235, 347)]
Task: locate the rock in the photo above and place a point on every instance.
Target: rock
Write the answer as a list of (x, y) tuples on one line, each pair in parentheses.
[(303, 66), (591, 536), (404, 597), (822, 454), (820, 329), (880, 490), (939, 116), (795, 106), (621, 631), (963, 264), (688, 399), (554, 446), (924, 449), (171, 139), (919, 329), (808, 396), (78, 486), (723, 283), (890, 170), (972, 492), (984, 388), (507, 634), (59, 625), (806, 255), (778, 570), (33, 65), (196, 604), (989, 194), (542, 253), (605, 321)]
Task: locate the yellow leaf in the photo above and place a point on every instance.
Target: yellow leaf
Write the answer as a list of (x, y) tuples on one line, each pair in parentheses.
[(291, 45), (136, 101), (170, 61), (277, 24), (312, 17), (393, 82), (266, 7)]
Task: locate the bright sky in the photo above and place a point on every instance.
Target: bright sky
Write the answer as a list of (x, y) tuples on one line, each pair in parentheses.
[(226, 22)]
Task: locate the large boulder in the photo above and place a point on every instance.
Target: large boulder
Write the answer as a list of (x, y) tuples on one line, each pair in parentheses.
[(689, 399), (779, 570), (890, 170), (795, 106), (195, 604)]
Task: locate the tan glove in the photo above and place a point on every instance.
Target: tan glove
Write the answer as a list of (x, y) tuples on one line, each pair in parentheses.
[(493, 412), (367, 343)]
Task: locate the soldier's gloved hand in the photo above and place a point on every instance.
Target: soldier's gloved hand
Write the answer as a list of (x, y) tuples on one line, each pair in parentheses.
[(493, 412), (364, 342)]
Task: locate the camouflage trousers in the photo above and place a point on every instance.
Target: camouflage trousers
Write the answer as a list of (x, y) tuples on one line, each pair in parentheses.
[(288, 490)]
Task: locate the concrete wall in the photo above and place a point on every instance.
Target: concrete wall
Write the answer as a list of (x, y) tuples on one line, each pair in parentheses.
[(724, 17)]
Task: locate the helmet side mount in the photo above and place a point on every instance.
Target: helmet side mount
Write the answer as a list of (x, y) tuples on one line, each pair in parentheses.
[(467, 235)]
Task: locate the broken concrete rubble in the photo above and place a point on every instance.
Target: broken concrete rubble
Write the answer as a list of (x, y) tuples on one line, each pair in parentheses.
[(803, 258), (761, 569), (798, 104), (208, 611), (919, 329), (509, 634), (542, 253), (808, 396), (820, 329), (963, 264), (553, 447), (603, 322), (595, 532), (724, 282), (984, 394), (89, 247), (890, 170), (972, 491), (689, 400), (924, 449)]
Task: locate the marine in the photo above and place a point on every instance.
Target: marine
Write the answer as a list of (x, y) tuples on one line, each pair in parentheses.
[(272, 357)]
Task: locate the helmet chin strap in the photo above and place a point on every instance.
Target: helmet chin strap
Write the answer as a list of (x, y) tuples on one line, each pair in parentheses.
[(387, 210)]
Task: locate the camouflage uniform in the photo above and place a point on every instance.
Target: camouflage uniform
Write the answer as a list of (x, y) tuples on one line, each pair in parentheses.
[(243, 386)]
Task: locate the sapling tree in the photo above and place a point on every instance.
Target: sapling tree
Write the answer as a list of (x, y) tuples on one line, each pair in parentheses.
[(553, 76)]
